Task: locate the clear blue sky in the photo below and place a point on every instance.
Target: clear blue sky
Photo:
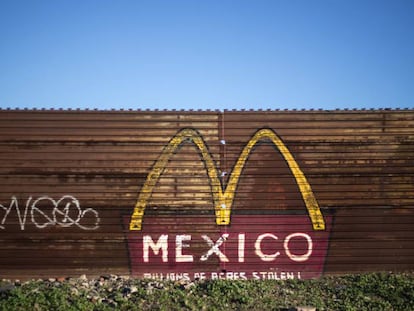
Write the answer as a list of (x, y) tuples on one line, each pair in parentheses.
[(207, 54)]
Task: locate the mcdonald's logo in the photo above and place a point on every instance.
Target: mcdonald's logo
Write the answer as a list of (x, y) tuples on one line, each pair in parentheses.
[(223, 195)]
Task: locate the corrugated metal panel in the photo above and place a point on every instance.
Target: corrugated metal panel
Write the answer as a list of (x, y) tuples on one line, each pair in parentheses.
[(71, 180), (359, 165)]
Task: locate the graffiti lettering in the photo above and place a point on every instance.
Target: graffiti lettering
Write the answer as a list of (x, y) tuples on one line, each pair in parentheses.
[(215, 248), (161, 246), (298, 258), (228, 275), (258, 248), (265, 275), (261, 246), (45, 211), (179, 248)]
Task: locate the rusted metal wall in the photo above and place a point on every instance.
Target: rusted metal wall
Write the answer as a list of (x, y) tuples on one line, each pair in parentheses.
[(274, 194)]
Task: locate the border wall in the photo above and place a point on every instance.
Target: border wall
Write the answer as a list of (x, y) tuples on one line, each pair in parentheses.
[(206, 194)]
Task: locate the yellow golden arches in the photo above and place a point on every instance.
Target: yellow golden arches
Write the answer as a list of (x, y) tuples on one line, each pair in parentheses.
[(224, 200)]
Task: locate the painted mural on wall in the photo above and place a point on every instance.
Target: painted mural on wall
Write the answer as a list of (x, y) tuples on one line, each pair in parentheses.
[(234, 246)]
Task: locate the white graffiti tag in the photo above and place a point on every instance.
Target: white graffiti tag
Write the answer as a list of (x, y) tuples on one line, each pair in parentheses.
[(45, 211)]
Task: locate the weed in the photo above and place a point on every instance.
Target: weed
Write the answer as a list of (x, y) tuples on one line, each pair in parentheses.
[(376, 291)]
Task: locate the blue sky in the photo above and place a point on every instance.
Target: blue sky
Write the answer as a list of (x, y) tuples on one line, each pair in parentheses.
[(207, 54)]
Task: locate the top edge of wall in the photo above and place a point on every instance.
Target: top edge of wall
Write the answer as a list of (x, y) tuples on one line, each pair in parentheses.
[(203, 110)]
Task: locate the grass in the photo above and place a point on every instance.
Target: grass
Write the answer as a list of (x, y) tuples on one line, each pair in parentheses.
[(377, 291)]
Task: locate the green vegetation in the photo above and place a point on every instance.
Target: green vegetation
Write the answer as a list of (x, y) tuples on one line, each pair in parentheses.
[(379, 291)]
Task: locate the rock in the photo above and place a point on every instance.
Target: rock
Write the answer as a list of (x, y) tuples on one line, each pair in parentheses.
[(83, 277), (126, 291), (149, 288), (105, 277), (95, 299), (85, 285), (305, 308)]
